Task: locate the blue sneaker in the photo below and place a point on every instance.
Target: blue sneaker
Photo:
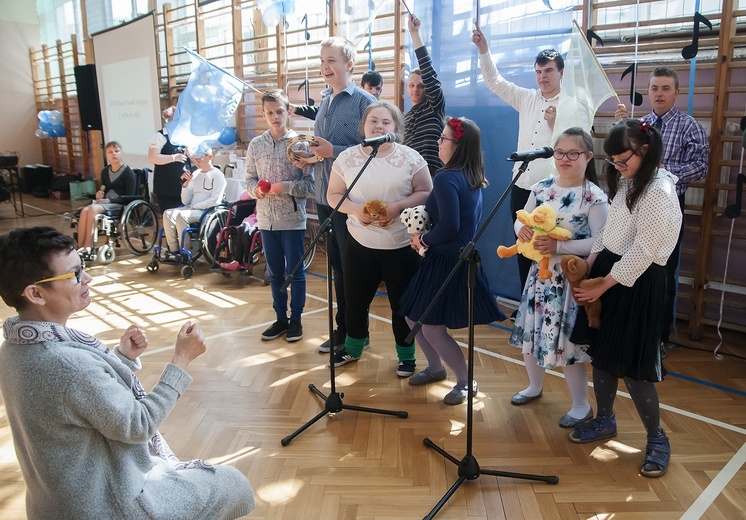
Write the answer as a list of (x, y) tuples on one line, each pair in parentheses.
[(599, 428)]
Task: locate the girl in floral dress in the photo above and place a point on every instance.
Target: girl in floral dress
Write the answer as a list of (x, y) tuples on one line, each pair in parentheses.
[(547, 311)]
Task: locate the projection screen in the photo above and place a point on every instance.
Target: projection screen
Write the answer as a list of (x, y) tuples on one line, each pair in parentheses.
[(127, 74)]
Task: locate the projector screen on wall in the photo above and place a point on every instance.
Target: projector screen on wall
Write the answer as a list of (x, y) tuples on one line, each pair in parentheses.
[(127, 74)]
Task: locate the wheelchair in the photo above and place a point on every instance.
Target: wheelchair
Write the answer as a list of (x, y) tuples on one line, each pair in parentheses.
[(136, 224), (227, 219), (199, 239)]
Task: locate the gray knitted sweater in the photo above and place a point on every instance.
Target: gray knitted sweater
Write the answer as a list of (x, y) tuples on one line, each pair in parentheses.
[(81, 437)]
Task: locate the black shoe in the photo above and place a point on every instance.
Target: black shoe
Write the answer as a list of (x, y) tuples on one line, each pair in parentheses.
[(277, 329), (339, 339), (341, 357), (406, 368), (294, 331)]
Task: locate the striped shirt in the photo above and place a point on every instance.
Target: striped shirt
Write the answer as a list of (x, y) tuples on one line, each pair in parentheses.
[(424, 123), (685, 147), (338, 121)]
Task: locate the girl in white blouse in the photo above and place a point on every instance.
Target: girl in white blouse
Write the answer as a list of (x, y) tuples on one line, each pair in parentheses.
[(640, 233)]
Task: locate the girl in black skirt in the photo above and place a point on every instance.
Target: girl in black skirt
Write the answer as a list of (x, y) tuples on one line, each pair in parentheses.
[(640, 233)]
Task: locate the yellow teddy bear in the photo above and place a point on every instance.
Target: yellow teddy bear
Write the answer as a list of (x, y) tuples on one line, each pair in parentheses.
[(543, 220)]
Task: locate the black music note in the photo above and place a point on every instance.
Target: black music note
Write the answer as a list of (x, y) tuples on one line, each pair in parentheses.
[(634, 97), (591, 35), (734, 210), (690, 51), (305, 20)]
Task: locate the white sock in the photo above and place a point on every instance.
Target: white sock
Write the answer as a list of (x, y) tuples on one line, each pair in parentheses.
[(535, 376), (577, 381)]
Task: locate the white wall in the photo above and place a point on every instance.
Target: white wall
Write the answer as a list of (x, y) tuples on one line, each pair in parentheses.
[(19, 32)]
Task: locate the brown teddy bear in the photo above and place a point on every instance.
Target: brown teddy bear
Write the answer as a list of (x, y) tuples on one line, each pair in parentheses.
[(543, 220), (576, 269), (376, 209)]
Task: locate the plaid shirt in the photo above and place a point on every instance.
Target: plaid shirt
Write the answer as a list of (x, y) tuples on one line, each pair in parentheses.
[(685, 147)]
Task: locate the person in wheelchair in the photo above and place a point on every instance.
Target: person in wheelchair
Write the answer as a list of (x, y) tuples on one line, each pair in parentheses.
[(200, 190), (118, 182)]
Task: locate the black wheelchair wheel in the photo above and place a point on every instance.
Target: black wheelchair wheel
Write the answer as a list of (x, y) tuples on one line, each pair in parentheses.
[(209, 231), (140, 227)]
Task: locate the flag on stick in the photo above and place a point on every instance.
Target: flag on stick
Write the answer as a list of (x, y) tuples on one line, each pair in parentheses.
[(584, 86), (205, 106)]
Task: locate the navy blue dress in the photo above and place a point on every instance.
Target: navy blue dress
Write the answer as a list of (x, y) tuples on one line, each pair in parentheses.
[(455, 210)]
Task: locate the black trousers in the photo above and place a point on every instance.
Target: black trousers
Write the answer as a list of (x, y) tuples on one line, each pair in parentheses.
[(518, 199), (364, 269), (669, 313)]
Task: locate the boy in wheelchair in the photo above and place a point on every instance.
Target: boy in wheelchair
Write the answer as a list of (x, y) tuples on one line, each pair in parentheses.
[(200, 190), (117, 181)]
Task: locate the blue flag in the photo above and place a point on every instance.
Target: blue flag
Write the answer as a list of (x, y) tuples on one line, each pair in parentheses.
[(205, 106)]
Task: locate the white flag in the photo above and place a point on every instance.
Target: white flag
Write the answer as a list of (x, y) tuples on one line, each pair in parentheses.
[(584, 86)]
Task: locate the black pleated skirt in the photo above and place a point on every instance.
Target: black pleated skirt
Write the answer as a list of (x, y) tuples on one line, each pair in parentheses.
[(628, 342)]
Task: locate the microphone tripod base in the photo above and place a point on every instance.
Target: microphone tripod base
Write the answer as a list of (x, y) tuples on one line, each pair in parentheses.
[(333, 404), (468, 469)]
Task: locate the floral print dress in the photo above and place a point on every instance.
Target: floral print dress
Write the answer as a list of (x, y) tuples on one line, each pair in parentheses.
[(547, 312)]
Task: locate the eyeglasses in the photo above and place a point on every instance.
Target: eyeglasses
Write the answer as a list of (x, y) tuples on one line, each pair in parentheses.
[(620, 164), (444, 138), (75, 274), (571, 156)]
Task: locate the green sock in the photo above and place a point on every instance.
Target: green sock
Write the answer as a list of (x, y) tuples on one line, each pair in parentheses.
[(405, 353), (354, 347)]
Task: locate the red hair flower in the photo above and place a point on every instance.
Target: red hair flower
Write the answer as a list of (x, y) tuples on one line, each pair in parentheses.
[(458, 130), (644, 127)]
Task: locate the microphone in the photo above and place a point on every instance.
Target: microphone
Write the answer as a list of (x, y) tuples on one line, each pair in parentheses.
[(378, 141), (541, 153)]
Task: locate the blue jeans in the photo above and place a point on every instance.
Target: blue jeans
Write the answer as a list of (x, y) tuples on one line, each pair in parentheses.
[(336, 250), (283, 250)]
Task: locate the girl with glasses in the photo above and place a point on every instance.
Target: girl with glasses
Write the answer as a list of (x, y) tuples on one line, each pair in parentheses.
[(640, 234), (455, 208), (547, 311)]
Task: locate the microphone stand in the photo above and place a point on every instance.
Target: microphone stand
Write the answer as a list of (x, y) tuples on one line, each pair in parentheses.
[(468, 467), (333, 402)]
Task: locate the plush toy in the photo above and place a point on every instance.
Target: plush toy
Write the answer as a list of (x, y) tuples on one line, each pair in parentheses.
[(543, 220), (576, 269), (417, 221), (376, 209)]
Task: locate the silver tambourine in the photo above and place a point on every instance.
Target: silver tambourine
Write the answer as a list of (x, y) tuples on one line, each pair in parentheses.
[(296, 153)]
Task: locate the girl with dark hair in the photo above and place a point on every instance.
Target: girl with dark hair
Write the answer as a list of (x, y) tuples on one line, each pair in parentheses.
[(547, 312), (455, 208), (640, 233)]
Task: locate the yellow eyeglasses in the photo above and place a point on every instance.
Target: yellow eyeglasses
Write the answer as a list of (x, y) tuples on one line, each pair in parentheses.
[(75, 274)]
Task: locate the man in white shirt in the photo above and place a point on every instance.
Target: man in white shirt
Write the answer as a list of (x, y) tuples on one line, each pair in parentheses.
[(537, 110)]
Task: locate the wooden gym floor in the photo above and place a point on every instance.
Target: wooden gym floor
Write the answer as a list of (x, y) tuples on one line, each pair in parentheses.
[(248, 394)]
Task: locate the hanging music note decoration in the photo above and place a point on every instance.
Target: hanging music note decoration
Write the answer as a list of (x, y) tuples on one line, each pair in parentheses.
[(591, 35), (369, 48), (306, 84), (634, 97), (690, 51)]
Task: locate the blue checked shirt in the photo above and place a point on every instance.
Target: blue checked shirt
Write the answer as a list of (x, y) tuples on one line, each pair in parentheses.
[(685, 147), (338, 121)]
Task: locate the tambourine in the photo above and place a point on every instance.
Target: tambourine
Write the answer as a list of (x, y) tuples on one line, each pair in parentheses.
[(297, 155)]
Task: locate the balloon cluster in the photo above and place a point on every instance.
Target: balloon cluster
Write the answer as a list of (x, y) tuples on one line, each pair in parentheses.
[(51, 124), (273, 10)]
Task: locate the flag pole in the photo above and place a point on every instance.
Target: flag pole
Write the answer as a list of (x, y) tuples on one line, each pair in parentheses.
[(598, 63)]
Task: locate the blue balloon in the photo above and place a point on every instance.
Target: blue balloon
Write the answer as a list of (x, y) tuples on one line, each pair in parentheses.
[(46, 126), (227, 136)]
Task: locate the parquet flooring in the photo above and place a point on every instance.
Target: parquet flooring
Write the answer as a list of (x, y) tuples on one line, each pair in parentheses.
[(248, 394)]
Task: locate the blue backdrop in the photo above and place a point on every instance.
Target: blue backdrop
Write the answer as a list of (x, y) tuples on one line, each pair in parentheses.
[(516, 30)]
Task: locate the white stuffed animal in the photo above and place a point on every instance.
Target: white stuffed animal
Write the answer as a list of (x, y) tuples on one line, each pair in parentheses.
[(417, 221)]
